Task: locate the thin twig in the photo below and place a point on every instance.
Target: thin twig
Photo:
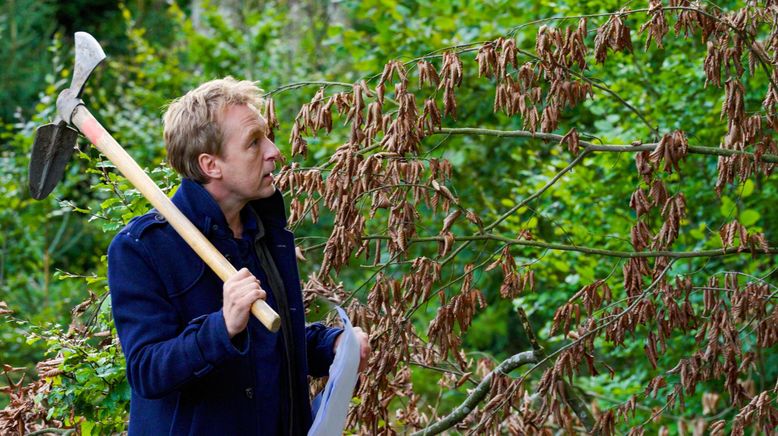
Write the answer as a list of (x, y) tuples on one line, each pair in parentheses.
[(304, 84), (540, 192), (594, 331), (572, 399)]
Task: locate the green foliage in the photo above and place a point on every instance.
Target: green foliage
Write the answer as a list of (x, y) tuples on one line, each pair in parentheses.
[(22, 22), (90, 374), (65, 236), (38, 238)]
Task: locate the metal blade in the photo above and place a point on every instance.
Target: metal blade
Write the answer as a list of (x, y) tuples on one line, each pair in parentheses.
[(89, 54), (51, 152)]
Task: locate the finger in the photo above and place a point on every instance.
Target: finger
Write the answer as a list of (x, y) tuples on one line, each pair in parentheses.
[(250, 278), (242, 273), (246, 300), (252, 289), (245, 283), (235, 291), (238, 278), (365, 351)]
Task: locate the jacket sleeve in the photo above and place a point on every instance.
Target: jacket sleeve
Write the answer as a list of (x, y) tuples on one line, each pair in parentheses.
[(163, 352), (320, 341)]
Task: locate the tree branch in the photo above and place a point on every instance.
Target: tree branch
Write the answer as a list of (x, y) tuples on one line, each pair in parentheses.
[(588, 146), (612, 253), (62, 431), (478, 394)]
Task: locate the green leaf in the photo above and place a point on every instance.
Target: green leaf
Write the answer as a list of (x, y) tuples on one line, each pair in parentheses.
[(727, 208), (749, 217), (86, 428), (748, 188)]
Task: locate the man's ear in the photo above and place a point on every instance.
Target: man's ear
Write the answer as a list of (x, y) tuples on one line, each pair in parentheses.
[(209, 165)]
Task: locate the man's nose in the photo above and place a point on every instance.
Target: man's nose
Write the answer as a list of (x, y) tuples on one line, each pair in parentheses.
[(273, 152)]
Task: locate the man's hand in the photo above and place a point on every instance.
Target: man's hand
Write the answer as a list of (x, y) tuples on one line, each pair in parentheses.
[(240, 292), (364, 347)]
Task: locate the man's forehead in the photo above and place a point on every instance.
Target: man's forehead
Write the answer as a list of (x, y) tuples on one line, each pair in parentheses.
[(262, 122), (250, 121), (261, 125)]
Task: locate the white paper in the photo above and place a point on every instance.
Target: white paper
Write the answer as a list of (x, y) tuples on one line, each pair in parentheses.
[(336, 397)]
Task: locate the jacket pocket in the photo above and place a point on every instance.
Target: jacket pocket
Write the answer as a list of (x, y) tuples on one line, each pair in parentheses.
[(186, 277), (194, 290)]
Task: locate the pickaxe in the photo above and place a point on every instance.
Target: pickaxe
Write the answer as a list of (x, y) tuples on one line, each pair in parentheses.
[(54, 145)]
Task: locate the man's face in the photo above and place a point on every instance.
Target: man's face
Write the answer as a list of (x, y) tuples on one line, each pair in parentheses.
[(248, 157)]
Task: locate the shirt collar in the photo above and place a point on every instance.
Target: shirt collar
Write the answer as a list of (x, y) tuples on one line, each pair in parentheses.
[(252, 224)]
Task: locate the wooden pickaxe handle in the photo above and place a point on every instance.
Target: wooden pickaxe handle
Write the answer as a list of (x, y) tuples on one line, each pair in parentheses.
[(104, 142)]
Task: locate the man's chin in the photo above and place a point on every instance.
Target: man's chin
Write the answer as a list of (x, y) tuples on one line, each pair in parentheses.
[(266, 191)]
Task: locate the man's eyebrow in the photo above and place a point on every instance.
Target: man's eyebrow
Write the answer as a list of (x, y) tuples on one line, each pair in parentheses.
[(258, 130), (263, 125)]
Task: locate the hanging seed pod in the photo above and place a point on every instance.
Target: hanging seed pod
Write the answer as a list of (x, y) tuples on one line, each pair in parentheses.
[(270, 113), (640, 236), (299, 145), (431, 120), (658, 193), (614, 35), (671, 148), (673, 212), (729, 231), (450, 71), (508, 56), (386, 75), (550, 117), (572, 141), (643, 163), (576, 47), (427, 74), (639, 203), (657, 25), (374, 116), (449, 100), (487, 60)]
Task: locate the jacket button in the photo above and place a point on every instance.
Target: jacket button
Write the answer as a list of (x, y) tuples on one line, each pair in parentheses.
[(250, 393)]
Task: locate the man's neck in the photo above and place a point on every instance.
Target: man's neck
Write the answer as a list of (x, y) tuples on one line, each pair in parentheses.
[(230, 208), (234, 221)]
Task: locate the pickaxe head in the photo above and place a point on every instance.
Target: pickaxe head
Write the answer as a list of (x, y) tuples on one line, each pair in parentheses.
[(54, 143)]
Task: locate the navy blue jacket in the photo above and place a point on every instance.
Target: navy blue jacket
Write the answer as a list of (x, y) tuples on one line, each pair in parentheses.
[(187, 376)]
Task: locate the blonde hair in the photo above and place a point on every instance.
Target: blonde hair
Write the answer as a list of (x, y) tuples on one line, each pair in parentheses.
[(192, 123)]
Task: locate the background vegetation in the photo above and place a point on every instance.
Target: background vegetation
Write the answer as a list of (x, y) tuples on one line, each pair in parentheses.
[(552, 207)]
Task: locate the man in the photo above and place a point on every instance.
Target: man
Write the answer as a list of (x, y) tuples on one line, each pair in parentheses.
[(197, 361)]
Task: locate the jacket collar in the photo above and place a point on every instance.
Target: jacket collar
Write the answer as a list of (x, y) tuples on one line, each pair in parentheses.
[(199, 206)]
